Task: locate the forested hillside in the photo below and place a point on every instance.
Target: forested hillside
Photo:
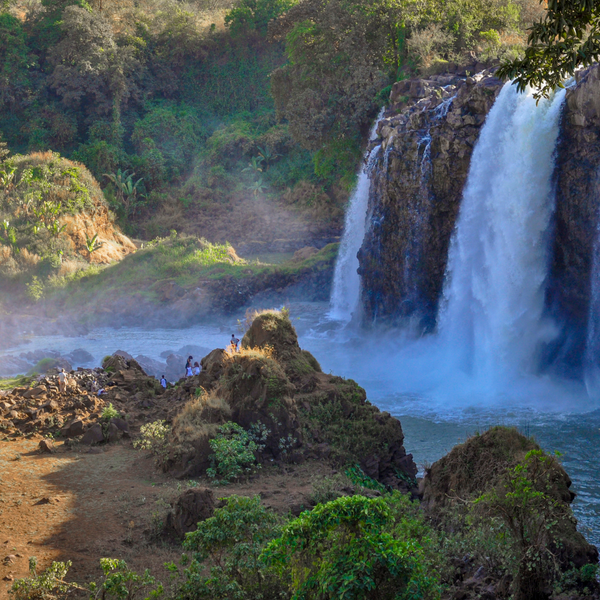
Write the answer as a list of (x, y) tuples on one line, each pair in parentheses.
[(182, 111)]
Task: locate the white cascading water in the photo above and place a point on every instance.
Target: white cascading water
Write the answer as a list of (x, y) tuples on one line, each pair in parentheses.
[(346, 281), (591, 362), (492, 314)]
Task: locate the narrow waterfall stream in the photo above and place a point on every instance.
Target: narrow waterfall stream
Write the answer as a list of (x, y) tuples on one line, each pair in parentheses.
[(499, 256), (346, 281)]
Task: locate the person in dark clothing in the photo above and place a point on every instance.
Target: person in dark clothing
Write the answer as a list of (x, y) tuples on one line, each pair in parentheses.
[(234, 343), (189, 367)]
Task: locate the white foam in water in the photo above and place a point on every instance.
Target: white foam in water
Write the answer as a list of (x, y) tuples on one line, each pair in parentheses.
[(346, 282)]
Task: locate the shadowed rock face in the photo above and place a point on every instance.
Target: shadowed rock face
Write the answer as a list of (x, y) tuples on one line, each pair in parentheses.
[(418, 180), (577, 203)]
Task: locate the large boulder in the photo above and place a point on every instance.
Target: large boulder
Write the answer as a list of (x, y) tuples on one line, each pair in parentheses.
[(481, 465), (192, 507)]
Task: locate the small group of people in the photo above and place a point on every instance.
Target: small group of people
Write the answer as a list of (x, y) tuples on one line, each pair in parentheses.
[(191, 369)]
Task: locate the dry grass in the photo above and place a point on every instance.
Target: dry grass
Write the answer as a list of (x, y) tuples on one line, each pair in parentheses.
[(256, 352), (200, 418)]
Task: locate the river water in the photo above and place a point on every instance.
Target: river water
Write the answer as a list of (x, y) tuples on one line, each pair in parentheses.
[(438, 407)]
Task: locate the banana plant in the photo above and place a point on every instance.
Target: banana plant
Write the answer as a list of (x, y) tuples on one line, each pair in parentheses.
[(127, 188), (92, 244), (258, 186), (55, 228), (254, 166), (9, 236), (267, 156), (7, 175)]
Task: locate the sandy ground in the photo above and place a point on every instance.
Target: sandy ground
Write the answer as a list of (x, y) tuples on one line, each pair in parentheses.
[(80, 506)]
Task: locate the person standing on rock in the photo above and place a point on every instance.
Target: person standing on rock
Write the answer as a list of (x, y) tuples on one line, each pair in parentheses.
[(234, 343), (196, 369), (62, 381), (189, 367), (163, 382)]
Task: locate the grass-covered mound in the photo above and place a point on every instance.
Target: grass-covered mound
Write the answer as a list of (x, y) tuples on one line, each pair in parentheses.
[(277, 391), (54, 219), (183, 278)]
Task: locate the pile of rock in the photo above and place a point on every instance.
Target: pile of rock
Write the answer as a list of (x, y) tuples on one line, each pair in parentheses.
[(42, 361)]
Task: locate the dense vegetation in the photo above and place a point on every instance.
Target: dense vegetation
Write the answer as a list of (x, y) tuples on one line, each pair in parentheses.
[(169, 105), (362, 546)]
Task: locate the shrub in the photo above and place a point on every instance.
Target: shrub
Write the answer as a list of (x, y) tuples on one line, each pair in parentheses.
[(524, 502), (154, 437), (230, 543), (233, 453), (349, 549), (110, 412), (47, 586), (120, 582)]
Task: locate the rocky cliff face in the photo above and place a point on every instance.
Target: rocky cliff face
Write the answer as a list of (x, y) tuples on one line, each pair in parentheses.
[(577, 219), (419, 173)]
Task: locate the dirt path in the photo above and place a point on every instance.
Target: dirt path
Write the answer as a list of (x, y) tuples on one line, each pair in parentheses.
[(80, 506)]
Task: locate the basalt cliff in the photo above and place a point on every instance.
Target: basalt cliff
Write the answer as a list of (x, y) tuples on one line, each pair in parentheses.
[(419, 173), (420, 164)]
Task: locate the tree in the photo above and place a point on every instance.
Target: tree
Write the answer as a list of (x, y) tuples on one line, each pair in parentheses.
[(341, 54), (90, 69), (15, 60), (567, 38), (350, 548)]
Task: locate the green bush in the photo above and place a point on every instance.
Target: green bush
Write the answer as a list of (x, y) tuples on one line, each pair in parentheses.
[(234, 454), (109, 412), (351, 548), (154, 437), (229, 544)]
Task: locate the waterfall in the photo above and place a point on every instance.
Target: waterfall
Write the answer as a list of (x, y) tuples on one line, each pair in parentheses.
[(492, 316), (591, 361), (346, 281)]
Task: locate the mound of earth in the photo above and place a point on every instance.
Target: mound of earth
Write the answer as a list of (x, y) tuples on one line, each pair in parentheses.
[(54, 207), (309, 415), (502, 463)]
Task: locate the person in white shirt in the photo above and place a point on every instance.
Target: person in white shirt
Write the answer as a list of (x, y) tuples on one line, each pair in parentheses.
[(62, 381)]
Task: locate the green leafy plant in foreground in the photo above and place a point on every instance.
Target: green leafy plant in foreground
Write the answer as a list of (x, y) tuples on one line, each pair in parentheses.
[(353, 547), (230, 543), (233, 454), (118, 583), (48, 585)]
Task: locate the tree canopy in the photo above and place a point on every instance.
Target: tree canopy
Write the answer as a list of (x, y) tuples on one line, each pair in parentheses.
[(568, 37)]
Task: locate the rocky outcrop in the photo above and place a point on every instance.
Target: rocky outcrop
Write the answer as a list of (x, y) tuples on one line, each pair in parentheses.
[(490, 478), (305, 413), (192, 507), (577, 218), (418, 175)]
